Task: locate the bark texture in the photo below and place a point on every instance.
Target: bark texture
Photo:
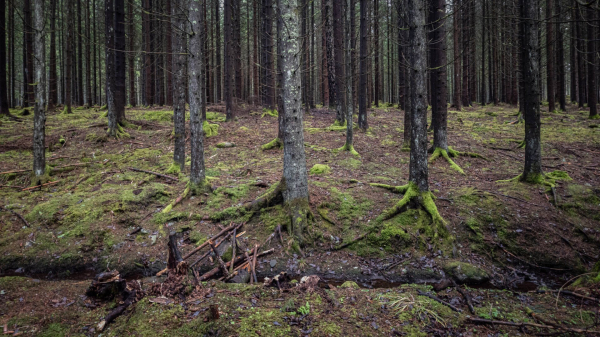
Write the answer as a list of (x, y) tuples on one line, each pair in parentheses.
[(529, 57), (362, 87), (178, 20), (197, 95), (295, 177), (39, 118), (340, 76), (439, 84)]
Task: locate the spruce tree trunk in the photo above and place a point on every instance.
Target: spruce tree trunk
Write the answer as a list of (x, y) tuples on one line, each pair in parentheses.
[(439, 85), (457, 56), (3, 80), (362, 87), (95, 99), (592, 61), (529, 57), (68, 56), (340, 80), (349, 80), (197, 94), (229, 71), (418, 94), (79, 56), (295, 176), (120, 93), (178, 20), (39, 119), (131, 55), (111, 96), (266, 56), (324, 71), (217, 17), (330, 53), (581, 64), (52, 92), (560, 60), (551, 76), (28, 89), (88, 52), (376, 52)]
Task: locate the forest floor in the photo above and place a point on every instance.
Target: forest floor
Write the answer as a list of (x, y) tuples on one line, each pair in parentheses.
[(509, 239)]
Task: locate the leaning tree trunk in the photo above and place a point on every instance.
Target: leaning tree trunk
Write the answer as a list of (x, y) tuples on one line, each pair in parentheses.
[(178, 20), (197, 96), (295, 177), (340, 80), (362, 87), (3, 80), (40, 173), (529, 57)]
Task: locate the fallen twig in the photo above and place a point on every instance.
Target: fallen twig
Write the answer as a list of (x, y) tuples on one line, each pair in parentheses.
[(16, 214), (42, 185), (221, 263), (466, 296), (155, 173), (15, 187), (570, 293), (521, 325), (440, 301), (356, 239)]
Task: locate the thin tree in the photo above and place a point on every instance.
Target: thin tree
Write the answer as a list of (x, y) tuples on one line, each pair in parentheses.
[(457, 69), (178, 20), (3, 78), (88, 55), (376, 55), (417, 189), (266, 55), (362, 87), (330, 52), (217, 18), (197, 93), (28, 90), (52, 75), (340, 75), (228, 67), (68, 56), (40, 171), (592, 60), (560, 61), (349, 145), (115, 67), (551, 75), (79, 57), (131, 55)]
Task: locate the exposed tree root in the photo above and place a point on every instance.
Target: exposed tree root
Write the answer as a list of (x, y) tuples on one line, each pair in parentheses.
[(548, 179), (199, 188), (175, 168), (119, 132), (37, 180), (441, 152), (349, 148), (274, 144), (178, 200), (413, 195)]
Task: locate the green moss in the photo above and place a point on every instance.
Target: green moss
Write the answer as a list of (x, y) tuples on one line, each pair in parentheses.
[(441, 152), (269, 112), (465, 272), (320, 169), (174, 169), (158, 116), (210, 130), (102, 108), (349, 148), (350, 285), (275, 143), (351, 163), (215, 116)]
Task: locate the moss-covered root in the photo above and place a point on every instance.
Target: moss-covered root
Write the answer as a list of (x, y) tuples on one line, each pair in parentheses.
[(396, 189), (425, 199), (548, 179), (405, 147), (174, 169), (274, 144), (178, 200), (67, 110), (300, 216), (118, 133), (271, 197), (200, 188), (349, 148), (521, 145), (453, 154), (210, 130), (37, 180), (441, 152)]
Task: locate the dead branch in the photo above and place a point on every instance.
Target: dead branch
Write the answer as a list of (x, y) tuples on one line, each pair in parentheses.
[(16, 214), (440, 301), (42, 185), (155, 173)]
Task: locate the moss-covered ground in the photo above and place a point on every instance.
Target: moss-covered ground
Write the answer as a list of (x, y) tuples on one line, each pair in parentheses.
[(90, 219)]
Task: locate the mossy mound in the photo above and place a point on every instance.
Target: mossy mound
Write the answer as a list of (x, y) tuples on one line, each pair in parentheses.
[(210, 130), (224, 145), (350, 285), (215, 116), (320, 169), (465, 272)]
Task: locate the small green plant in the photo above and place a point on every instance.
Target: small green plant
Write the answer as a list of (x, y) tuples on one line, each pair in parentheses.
[(304, 310)]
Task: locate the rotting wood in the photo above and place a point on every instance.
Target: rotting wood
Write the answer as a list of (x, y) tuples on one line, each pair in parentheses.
[(155, 173), (221, 263), (233, 244), (215, 270), (466, 296)]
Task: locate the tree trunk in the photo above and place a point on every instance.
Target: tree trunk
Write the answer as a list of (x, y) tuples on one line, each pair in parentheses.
[(88, 52), (573, 56), (349, 79), (438, 64), (120, 96), (457, 56), (52, 92), (267, 55), (529, 57), (560, 60), (324, 71), (581, 64), (330, 53), (551, 76), (340, 80), (3, 80), (362, 88), (592, 61), (376, 56), (28, 89), (178, 20), (79, 56), (418, 94), (218, 50), (295, 176), (95, 99), (68, 56), (197, 95), (131, 54), (40, 174), (229, 71)]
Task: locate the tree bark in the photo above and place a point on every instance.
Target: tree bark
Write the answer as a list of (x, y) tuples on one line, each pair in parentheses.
[(131, 55), (52, 91), (120, 93), (40, 173), (88, 55), (295, 176), (330, 52), (551, 75), (418, 94), (362, 88), (457, 57), (68, 56), (218, 68), (340, 80), (28, 89), (376, 55), (229, 71), (439, 85), (197, 95), (529, 58), (178, 20), (592, 61), (3, 79), (79, 81), (560, 60)]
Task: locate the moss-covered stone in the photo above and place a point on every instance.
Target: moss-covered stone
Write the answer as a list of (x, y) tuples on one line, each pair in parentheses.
[(350, 285), (465, 272), (320, 169)]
